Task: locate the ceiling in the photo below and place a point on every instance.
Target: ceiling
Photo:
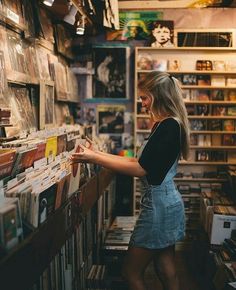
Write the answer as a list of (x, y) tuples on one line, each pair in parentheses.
[(155, 4), (60, 7)]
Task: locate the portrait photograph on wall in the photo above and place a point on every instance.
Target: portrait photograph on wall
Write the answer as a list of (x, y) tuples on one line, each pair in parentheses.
[(110, 119), (134, 25), (111, 78)]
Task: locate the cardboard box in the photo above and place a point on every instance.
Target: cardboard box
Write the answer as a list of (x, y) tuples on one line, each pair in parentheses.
[(221, 228)]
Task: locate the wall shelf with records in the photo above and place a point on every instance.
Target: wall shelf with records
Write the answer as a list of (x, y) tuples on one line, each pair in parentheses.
[(208, 80), (42, 245)]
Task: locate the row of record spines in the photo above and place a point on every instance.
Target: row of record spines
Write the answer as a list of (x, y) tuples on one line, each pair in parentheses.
[(70, 267), (96, 278)]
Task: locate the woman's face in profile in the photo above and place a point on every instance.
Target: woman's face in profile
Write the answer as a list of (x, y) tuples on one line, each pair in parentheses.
[(162, 34)]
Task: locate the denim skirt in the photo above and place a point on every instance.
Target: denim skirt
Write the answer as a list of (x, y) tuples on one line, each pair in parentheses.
[(161, 222)]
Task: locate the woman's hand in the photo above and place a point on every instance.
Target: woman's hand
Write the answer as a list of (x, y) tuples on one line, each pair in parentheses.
[(89, 143), (85, 155)]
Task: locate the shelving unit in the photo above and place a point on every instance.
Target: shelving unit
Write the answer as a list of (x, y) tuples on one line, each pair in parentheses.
[(213, 143), (39, 248)]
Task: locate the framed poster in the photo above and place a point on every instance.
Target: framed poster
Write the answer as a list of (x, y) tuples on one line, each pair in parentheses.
[(111, 78), (134, 25), (110, 119), (162, 33), (46, 106), (205, 37)]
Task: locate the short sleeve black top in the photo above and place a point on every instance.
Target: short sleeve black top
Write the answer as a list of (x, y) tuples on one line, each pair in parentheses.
[(161, 150)]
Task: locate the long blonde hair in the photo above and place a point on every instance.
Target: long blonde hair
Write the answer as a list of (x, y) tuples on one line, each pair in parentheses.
[(167, 100)]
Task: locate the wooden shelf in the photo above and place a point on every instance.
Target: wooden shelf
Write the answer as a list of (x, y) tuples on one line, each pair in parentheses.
[(208, 87), (205, 163), (188, 57), (212, 132), (211, 117), (213, 147), (210, 102), (193, 195), (7, 125), (201, 72), (217, 49), (143, 131), (24, 264), (191, 179), (143, 116)]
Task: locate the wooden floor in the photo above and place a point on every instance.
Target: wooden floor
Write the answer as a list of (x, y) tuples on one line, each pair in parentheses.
[(187, 279)]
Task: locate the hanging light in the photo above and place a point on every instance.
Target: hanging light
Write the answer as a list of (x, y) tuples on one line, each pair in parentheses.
[(48, 2), (70, 17), (81, 26)]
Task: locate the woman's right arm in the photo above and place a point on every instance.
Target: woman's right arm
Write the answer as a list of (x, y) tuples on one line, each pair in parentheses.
[(116, 157), (131, 159)]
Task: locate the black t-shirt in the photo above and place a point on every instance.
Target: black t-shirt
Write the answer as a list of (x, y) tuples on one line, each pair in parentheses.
[(161, 150)]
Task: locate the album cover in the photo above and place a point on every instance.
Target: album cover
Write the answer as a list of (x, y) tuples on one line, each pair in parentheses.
[(231, 95), (75, 179), (204, 140), (203, 80), (159, 64), (7, 159), (219, 65), (43, 63), (218, 95), (46, 108), (61, 143), (63, 39), (231, 82), (8, 226), (45, 28), (3, 81), (111, 79), (228, 125), (51, 146), (110, 118), (144, 123), (189, 79), (217, 80), (62, 190), (16, 52), (144, 61), (231, 111), (228, 139), (190, 109), (215, 125), (219, 110), (198, 125), (45, 203), (61, 85), (24, 159), (202, 110), (174, 65), (22, 117)]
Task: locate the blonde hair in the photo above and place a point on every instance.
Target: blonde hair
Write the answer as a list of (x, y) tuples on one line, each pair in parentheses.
[(167, 100)]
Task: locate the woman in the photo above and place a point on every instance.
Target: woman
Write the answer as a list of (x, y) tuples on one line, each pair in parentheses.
[(161, 221)]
